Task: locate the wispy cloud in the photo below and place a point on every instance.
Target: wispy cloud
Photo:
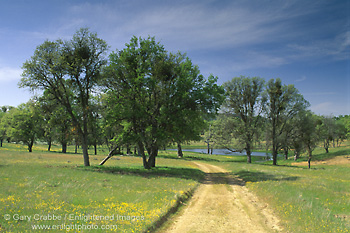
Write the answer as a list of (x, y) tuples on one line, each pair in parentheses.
[(190, 24), (303, 78), (330, 108), (204, 25), (326, 93), (337, 48), (256, 60), (8, 74)]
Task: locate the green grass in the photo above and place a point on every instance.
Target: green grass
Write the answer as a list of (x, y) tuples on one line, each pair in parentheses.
[(54, 184), (307, 200)]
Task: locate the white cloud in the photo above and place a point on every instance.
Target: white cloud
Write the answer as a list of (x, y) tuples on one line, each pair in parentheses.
[(187, 25), (191, 26), (337, 48), (303, 78), (8, 74), (330, 108), (254, 60), (198, 26), (325, 93)]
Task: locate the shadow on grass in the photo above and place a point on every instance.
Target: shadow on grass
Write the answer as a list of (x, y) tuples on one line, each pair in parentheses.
[(255, 160), (223, 178), (250, 176), (182, 173)]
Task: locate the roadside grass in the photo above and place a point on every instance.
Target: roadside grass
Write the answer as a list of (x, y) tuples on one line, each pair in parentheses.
[(307, 200), (56, 190)]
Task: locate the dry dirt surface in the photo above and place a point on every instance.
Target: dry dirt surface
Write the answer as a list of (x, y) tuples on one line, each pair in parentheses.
[(339, 160), (223, 204)]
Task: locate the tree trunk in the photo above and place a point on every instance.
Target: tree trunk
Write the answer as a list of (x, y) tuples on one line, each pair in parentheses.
[(296, 155), (49, 145), (152, 154), (128, 149), (274, 143), (152, 158), (30, 145), (326, 145), (110, 155), (286, 153), (152, 161), (249, 159), (1, 142), (64, 147), (249, 153), (179, 151), (85, 146), (274, 156), (141, 150), (310, 157), (95, 147)]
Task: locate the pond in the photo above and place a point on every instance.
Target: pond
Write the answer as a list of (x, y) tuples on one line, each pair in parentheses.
[(227, 152)]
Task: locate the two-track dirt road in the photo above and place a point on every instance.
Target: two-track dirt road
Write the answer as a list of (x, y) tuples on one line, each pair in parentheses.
[(223, 204)]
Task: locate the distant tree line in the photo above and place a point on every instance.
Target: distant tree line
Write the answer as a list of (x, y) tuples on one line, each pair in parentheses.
[(143, 98), (275, 114)]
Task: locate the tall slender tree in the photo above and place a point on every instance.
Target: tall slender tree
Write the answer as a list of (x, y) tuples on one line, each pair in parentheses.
[(244, 99), (69, 70), (283, 103)]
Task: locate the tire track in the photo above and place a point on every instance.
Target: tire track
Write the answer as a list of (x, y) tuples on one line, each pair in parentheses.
[(223, 204)]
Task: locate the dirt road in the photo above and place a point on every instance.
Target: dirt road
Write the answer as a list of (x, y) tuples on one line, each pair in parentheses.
[(223, 204)]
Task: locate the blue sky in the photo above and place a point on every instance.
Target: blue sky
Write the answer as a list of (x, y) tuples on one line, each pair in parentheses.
[(305, 43)]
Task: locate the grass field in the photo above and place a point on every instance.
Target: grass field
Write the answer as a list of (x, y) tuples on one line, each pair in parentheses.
[(53, 189), (307, 200), (42, 185)]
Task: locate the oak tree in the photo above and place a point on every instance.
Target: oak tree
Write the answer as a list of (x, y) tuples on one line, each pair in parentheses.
[(283, 103), (69, 70), (244, 100), (155, 94)]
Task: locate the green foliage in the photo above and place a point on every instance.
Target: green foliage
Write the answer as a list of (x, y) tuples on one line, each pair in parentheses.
[(3, 126), (157, 97), (69, 71), (24, 124), (345, 121), (223, 132), (283, 103), (244, 99)]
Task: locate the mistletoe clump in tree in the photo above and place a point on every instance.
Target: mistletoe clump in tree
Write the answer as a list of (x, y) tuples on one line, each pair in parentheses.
[(157, 97), (69, 71)]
